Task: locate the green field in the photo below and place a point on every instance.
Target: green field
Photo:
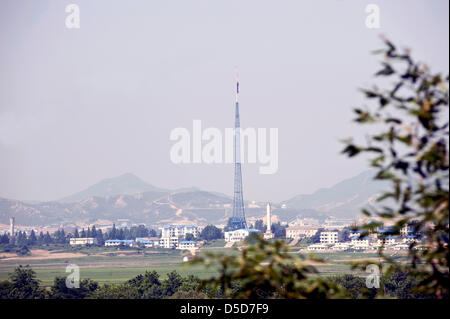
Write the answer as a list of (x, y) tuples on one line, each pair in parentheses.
[(110, 265), (108, 268)]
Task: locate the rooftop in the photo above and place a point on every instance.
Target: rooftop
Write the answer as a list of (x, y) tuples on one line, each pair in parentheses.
[(119, 241), (179, 226)]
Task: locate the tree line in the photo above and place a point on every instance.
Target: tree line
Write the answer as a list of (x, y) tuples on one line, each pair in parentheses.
[(23, 284), (62, 237), (22, 240)]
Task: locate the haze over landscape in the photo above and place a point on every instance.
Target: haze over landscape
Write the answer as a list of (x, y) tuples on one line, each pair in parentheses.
[(101, 100), (218, 155), (128, 196)]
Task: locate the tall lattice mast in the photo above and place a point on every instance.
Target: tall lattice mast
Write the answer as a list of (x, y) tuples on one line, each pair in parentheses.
[(238, 218)]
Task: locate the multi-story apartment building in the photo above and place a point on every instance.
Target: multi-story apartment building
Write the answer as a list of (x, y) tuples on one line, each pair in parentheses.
[(172, 235), (300, 231), (169, 242), (329, 237), (179, 231)]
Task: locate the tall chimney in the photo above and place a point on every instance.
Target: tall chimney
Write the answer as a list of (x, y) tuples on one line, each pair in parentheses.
[(269, 218), (11, 225), (268, 234)]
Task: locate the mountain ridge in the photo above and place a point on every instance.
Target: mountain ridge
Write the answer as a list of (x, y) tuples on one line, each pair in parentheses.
[(185, 205), (127, 183), (345, 198)]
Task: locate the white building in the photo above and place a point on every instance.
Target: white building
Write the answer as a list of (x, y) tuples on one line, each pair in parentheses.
[(268, 234), (239, 234), (119, 242), (172, 235), (187, 244), (360, 243), (410, 239), (354, 233), (388, 241), (169, 242), (179, 231), (300, 231), (83, 241), (401, 247), (341, 246), (318, 247), (329, 237)]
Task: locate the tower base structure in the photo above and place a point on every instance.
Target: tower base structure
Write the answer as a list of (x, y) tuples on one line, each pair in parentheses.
[(269, 235), (237, 223)]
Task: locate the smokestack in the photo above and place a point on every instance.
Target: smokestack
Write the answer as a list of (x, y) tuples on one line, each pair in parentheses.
[(269, 234), (11, 225), (269, 218)]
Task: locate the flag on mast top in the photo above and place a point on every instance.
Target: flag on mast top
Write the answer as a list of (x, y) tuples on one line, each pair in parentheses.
[(237, 85)]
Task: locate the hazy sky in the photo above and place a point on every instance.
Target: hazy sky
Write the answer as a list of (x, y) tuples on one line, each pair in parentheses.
[(80, 105)]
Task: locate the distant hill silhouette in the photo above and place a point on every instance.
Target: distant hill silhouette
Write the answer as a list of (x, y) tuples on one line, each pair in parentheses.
[(123, 184), (345, 199), (129, 197)]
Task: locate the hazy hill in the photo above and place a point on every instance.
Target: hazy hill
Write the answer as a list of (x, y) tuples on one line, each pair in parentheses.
[(344, 199), (148, 207), (129, 197), (123, 184)]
